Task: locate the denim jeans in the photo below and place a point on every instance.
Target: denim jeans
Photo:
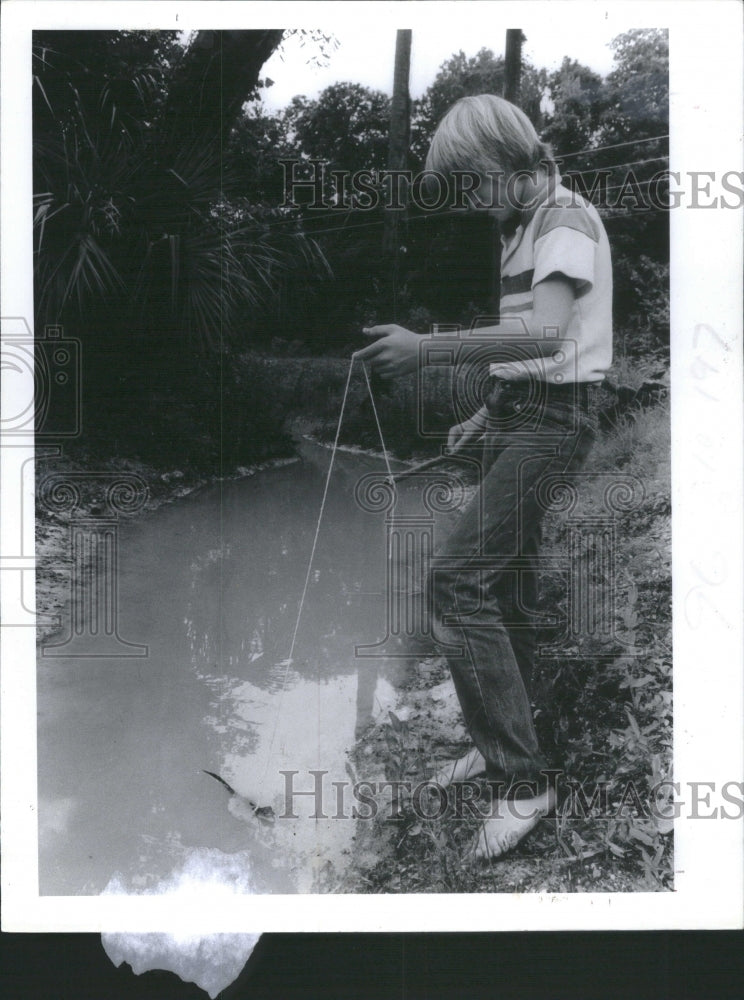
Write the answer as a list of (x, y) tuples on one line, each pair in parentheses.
[(484, 580)]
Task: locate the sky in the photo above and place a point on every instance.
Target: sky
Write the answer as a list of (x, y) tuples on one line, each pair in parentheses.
[(365, 53)]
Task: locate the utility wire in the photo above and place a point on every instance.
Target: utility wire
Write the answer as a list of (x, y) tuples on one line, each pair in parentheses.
[(343, 228), (559, 159), (617, 187), (615, 166), (616, 145), (440, 215)]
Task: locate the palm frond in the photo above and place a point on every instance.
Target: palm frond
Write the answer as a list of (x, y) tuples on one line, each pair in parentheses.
[(93, 272), (40, 85), (132, 213)]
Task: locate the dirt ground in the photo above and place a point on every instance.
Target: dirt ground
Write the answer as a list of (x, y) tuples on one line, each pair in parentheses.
[(407, 855)]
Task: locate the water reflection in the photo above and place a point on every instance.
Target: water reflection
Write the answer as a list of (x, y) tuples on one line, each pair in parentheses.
[(212, 585)]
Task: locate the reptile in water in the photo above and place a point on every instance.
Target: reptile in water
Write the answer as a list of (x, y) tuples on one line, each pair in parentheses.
[(265, 814)]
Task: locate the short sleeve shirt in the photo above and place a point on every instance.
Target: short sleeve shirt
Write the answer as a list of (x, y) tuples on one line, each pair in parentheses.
[(563, 235)]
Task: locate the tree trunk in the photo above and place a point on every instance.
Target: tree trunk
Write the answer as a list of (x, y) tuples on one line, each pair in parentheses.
[(218, 73), (512, 84), (513, 64), (400, 140)]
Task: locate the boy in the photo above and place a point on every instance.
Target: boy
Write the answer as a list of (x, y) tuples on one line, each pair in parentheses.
[(552, 344)]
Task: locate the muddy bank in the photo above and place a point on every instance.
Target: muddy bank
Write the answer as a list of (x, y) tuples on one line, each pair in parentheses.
[(91, 477)]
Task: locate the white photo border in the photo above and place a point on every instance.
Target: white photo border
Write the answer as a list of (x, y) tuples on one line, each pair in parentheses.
[(706, 332)]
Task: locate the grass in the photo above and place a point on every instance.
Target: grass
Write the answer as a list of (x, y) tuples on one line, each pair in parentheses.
[(603, 711)]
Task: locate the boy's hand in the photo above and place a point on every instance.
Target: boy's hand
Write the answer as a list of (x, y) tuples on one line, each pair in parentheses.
[(468, 431), (395, 353)]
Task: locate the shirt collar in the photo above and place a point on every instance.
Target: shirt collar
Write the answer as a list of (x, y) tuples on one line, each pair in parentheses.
[(522, 219)]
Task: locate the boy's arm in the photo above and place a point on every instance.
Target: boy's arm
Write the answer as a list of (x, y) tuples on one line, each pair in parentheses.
[(396, 352), (553, 300)]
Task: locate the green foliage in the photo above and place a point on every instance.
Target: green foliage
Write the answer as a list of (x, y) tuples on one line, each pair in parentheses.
[(642, 302), (258, 143), (606, 711), (147, 251), (576, 98), (318, 44), (639, 85), (632, 103), (134, 226), (346, 125), (346, 128), (460, 76)]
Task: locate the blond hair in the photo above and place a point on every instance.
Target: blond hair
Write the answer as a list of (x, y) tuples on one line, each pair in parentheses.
[(487, 134)]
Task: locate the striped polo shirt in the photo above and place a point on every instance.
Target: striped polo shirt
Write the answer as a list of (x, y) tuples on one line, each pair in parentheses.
[(563, 234)]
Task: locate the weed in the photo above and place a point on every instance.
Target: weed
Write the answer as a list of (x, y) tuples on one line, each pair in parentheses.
[(603, 710)]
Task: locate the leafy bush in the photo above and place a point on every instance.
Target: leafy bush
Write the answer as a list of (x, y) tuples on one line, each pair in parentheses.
[(641, 292), (606, 711)]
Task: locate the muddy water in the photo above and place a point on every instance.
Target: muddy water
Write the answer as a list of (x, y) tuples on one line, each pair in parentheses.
[(211, 586)]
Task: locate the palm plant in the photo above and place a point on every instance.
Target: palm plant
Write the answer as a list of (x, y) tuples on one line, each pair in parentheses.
[(138, 219)]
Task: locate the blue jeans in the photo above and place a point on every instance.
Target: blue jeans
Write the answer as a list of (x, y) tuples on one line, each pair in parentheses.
[(484, 580)]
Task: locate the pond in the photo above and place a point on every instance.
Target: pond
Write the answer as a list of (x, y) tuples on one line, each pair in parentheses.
[(211, 586)]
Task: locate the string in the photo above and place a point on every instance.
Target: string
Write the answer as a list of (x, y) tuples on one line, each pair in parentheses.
[(377, 421), (288, 661)]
